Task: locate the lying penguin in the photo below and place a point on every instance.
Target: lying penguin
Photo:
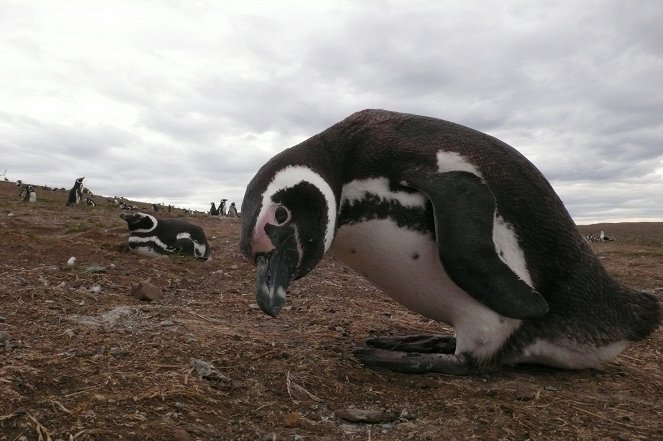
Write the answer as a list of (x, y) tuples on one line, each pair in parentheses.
[(152, 237), (455, 225)]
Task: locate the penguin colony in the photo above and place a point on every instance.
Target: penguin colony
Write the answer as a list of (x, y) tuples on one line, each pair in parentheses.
[(152, 237), (455, 225)]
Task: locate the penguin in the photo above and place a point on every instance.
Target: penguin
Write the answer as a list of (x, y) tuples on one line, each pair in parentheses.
[(90, 202), (222, 207), (28, 194), (32, 194), (152, 237), (232, 210), (23, 194), (213, 211), (604, 238), (455, 225), (76, 192)]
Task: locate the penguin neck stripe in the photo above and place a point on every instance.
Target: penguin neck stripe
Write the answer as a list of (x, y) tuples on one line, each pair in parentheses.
[(453, 161), (147, 230), (293, 175)]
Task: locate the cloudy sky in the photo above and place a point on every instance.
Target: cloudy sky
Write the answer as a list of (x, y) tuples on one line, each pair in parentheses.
[(181, 101)]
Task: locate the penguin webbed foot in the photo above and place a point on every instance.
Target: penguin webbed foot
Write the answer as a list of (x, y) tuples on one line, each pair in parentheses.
[(440, 344), (415, 362)]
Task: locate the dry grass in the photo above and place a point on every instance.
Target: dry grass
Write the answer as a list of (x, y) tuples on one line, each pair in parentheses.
[(87, 365)]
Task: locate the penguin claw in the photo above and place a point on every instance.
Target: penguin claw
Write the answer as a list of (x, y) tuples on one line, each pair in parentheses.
[(441, 344), (413, 363)]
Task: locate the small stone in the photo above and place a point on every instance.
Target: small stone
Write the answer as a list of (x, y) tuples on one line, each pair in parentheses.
[(166, 323), (181, 435), (254, 306), (71, 261), (2, 319), (366, 416), (10, 214), (146, 291), (293, 420), (6, 340), (118, 352), (95, 269), (95, 289)]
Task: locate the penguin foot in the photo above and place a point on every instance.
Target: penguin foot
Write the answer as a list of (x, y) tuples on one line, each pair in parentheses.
[(440, 344), (414, 363)]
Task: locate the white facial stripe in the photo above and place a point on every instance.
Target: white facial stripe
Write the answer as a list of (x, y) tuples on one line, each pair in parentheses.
[(291, 176), (506, 244), (357, 190), (147, 230), (453, 161)]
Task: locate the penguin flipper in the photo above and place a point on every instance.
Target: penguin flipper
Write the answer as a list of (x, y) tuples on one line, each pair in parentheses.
[(464, 209)]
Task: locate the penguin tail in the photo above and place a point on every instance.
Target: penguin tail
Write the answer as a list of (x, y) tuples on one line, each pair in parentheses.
[(645, 311)]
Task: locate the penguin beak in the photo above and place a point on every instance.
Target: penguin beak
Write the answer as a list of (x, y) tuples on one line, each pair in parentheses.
[(273, 278), (274, 272)]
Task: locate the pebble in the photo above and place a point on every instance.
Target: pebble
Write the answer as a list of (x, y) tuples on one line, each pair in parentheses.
[(366, 416), (181, 435), (293, 420), (95, 269), (118, 352), (95, 289), (71, 261), (146, 291), (10, 214)]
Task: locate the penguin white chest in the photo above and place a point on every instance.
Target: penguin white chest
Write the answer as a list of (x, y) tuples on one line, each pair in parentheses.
[(402, 263), (405, 265)]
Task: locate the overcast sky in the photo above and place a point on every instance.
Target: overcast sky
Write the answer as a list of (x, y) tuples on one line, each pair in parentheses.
[(182, 101)]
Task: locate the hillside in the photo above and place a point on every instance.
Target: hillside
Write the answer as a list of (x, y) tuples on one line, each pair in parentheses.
[(80, 359)]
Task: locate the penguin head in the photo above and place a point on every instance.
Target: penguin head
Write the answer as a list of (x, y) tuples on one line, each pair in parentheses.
[(288, 223), (139, 222)]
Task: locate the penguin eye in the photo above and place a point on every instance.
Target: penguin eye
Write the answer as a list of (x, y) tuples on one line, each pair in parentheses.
[(281, 215)]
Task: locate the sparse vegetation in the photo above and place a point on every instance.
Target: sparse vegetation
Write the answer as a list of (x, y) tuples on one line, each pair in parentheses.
[(81, 359)]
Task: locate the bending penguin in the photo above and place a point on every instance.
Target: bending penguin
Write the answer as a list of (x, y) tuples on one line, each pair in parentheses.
[(76, 192), (456, 226), (152, 237)]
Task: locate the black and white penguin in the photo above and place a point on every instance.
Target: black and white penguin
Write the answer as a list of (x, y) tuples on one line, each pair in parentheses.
[(90, 202), (28, 194), (222, 207), (232, 210), (76, 192), (605, 238), (455, 225), (213, 211), (151, 237)]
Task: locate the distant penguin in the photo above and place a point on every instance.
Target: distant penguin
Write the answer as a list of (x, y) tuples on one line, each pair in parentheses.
[(32, 194), (19, 183), (455, 225), (90, 202), (232, 210), (213, 211), (169, 208), (222, 207), (155, 207), (151, 237), (605, 238), (76, 192), (28, 194), (23, 193)]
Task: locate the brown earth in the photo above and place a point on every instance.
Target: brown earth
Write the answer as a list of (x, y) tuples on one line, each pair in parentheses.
[(82, 360)]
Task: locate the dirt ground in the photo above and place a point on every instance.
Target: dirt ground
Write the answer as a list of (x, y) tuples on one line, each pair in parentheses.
[(80, 359)]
